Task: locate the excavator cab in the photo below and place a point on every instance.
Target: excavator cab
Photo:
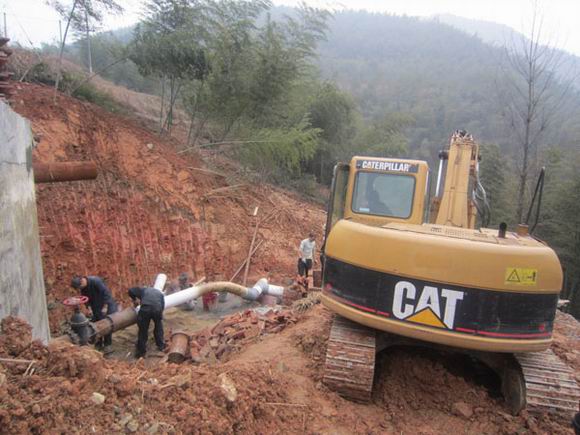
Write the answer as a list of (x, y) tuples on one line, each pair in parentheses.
[(376, 191)]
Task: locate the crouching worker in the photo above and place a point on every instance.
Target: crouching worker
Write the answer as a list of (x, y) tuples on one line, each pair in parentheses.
[(152, 304), (99, 297)]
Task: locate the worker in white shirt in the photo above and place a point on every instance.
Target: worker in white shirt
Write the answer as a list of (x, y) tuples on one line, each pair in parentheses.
[(306, 253)]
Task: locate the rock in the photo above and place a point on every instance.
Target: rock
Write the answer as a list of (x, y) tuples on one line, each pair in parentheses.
[(2, 378), (154, 428), (114, 379), (150, 146), (125, 419), (462, 409), (132, 426), (98, 398), (36, 409), (182, 176), (228, 388), (281, 367), (505, 416), (479, 410)]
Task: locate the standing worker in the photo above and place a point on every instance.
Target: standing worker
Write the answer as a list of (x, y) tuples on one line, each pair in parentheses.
[(152, 304), (306, 255), (99, 295)]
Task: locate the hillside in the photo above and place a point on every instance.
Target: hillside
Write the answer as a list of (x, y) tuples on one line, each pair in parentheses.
[(443, 77), (151, 210), (501, 36)]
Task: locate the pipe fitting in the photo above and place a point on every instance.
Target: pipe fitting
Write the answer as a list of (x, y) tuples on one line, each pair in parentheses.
[(178, 347)]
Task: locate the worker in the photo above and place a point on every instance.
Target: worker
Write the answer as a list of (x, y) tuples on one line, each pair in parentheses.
[(306, 255), (99, 296), (152, 304)]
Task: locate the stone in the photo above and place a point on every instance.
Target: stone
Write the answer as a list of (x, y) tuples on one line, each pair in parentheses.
[(462, 409), (154, 428), (228, 388), (125, 419), (281, 367), (98, 398), (36, 409), (505, 416), (150, 146), (132, 426)]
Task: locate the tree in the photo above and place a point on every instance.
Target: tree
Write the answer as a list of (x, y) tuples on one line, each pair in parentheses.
[(496, 180), (169, 44), (78, 15), (335, 114), (532, 97)]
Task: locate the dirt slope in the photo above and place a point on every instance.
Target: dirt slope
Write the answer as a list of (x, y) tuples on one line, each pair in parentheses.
[(148, 211)]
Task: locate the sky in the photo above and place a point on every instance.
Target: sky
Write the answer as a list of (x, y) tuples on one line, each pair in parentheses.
[(31, 22)]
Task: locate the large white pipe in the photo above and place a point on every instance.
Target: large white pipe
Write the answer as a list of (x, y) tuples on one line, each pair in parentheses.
[(160, 281), (252, 293)]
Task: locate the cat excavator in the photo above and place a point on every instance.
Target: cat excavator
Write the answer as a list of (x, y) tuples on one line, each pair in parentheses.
[(401, 269)]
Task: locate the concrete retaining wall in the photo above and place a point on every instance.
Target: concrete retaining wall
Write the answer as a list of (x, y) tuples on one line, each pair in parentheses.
[(22, 291)]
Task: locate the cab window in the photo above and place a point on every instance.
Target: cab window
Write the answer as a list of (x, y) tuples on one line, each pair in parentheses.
[(380, 194)]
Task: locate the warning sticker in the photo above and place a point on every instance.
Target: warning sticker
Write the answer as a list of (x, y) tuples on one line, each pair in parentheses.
[(521, 276)]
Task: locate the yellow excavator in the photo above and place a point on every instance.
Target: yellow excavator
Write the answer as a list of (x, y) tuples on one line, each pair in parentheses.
[(401, 269)]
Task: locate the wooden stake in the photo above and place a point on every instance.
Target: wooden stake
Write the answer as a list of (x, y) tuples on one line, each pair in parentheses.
[(244, 262)]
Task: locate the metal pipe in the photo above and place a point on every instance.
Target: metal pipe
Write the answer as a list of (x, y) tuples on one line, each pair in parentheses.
[(178, 348), (437, 186), (64, 171)]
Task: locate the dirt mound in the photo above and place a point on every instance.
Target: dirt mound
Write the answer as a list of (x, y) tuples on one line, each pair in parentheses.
[(271, 385), (16, 335), (567, 341), (150, 210), (74, 389)]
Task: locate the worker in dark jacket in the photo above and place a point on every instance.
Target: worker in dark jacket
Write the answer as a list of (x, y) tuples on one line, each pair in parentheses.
[(152, 304), (99, 296)]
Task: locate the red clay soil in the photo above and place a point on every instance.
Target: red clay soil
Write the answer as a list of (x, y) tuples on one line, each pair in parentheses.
[(271, 385), (148, 211), (567, 341)]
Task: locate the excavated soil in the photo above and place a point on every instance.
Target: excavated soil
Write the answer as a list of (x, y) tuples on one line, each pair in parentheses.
[(151, 209), (271, 385)]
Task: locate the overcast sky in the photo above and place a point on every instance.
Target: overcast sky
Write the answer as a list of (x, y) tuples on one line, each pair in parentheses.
[(31, 21)]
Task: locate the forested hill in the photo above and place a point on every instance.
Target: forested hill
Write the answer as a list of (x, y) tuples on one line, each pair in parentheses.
[(443, 77)]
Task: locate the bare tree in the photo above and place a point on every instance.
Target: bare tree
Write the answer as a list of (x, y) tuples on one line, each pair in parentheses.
[(83, 16), (534, 92)]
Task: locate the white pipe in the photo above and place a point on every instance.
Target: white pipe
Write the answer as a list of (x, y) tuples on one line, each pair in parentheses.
[(160, 281), (275, 290), (252, 293), (182, 296)]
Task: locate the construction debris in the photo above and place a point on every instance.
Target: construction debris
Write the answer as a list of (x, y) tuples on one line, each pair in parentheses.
[(230, 334)]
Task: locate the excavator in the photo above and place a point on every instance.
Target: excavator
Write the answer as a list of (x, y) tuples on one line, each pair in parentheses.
[(401, 269)]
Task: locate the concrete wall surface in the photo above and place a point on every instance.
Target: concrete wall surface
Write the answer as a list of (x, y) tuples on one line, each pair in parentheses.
[(22, 291)]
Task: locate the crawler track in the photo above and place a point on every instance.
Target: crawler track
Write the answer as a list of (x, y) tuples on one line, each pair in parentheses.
[(550, 384), (350, 360)]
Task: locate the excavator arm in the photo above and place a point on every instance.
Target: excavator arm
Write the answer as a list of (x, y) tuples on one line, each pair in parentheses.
[(456, 206)]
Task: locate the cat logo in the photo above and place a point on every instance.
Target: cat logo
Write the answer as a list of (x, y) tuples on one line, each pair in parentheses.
[(432, 307)]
